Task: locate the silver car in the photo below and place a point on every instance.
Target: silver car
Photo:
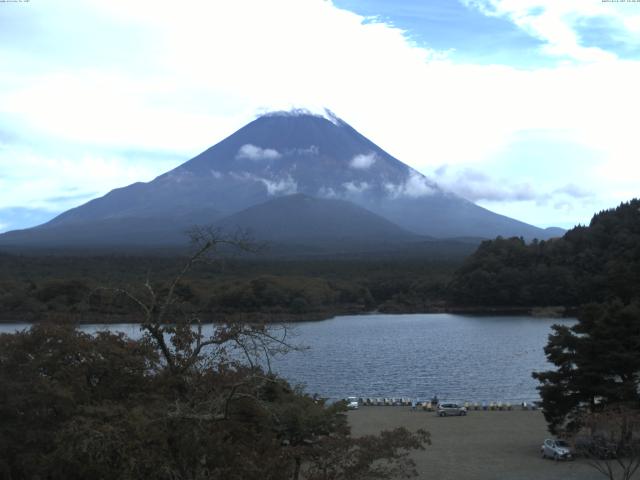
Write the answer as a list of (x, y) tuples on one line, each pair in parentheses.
[(447, 409), (556, 449)]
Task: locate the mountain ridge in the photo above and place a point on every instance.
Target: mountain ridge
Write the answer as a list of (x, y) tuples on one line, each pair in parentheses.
[(273, 156), (300, 218)]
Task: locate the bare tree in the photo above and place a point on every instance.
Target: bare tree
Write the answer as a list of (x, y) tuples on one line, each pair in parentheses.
[(185, 348), (612, 444)]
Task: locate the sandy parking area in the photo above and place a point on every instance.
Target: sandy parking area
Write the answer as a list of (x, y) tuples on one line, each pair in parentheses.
[(484, 445)]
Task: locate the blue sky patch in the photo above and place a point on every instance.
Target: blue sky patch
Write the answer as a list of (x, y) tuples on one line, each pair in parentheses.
[(14, 218), (449, 25), (608, 34)]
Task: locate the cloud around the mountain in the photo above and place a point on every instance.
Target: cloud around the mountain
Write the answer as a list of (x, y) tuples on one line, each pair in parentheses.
[(363, 161), (255, 153), (475, 185), (356, 187), (282, 186), (575, 191), (327, 192), (490, 190), (311, 150), (275, 186), (416, 185)]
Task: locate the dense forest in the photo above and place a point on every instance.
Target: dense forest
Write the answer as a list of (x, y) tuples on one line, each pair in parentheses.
[(591, 263), (86, 288)]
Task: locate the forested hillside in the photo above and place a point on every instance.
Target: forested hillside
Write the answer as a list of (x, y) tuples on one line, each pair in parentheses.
[(84, 289), (588, 264)]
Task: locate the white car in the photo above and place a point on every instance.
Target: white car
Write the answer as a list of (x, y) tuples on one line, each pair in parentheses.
[(352, 403), (556, 449)]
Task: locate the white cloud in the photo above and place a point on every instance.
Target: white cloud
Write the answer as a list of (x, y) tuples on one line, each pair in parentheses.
[(300, 112), (251, 152), (67, 178), (327, 192), (549, 203), (275, 186), (310, 150), (356, 187), (162, 92), (416, 185), (575, 191), (555, 22), (363, 161), (181, 176), (283, 186), (563, 205), (475, 185)]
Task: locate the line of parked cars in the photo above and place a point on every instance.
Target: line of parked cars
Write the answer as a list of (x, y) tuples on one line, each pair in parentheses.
[(371, 401), (442, 409)]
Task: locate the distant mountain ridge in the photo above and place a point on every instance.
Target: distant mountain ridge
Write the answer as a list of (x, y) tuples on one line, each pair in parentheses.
[(301, 219), (274, 156)]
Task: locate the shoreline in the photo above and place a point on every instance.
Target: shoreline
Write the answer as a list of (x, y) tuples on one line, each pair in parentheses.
[(258, 317)]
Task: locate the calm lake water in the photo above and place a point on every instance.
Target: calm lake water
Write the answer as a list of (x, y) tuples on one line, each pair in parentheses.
[(457, 357)]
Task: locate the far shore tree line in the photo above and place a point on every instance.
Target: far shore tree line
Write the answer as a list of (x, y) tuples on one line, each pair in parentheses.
[(57, 287)]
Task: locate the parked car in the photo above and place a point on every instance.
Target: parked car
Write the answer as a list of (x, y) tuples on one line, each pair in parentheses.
[(447, 409), (352, 403), (556, 449)]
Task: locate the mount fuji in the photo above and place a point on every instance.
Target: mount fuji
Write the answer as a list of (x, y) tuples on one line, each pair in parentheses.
[(288, 177)]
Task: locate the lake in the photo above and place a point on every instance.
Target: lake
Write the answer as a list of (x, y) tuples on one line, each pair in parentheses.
[(457, 357)]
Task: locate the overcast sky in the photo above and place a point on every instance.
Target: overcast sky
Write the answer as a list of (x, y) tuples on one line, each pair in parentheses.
[(527, 107)]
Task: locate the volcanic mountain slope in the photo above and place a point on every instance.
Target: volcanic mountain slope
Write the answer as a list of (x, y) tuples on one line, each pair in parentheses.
[(117, 232), (300, 219), (275, 155)]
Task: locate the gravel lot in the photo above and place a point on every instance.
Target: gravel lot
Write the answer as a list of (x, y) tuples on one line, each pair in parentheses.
[(484, 445)]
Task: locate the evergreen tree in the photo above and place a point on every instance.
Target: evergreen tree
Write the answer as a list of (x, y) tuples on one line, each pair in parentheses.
[(597, 365)]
